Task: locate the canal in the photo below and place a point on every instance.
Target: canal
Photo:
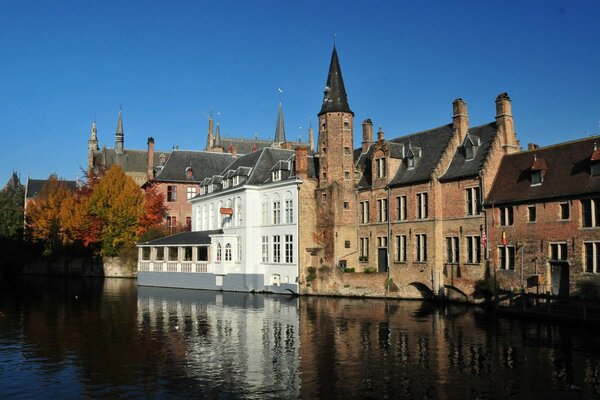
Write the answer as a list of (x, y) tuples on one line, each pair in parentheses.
[(94, 338)]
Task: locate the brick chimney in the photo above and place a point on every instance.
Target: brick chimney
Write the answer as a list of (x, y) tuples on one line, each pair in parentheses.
[(302, 162), (210, 139), (150, 170), (380, 135), (532, 146), (460, 119), (367, 133), (505, 123)]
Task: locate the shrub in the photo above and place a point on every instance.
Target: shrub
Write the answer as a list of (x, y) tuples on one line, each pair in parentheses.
[(349, 270), (312, 274), (370, 270)]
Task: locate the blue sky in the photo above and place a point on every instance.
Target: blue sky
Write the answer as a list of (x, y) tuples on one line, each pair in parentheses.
[(167, 64)]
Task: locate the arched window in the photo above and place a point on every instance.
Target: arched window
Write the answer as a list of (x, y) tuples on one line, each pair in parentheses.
[(218, 251), (289, 208), (276, 210), (228, 252)]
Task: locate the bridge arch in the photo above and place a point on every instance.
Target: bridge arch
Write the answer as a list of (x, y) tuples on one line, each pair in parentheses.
[(419, 290)]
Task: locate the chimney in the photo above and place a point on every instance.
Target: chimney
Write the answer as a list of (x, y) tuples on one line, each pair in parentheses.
[(380, 135), (150, 170), (311, 139), (505, 123), (367, 133), (460, 118), (302, 162), (532, 146), (286, 145)]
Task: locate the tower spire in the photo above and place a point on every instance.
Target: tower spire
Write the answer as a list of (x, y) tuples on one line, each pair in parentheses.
[(334, 94), (120, 135), (280, 128)]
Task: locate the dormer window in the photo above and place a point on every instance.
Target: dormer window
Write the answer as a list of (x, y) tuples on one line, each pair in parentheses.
[(469, 150), (236, 180), (225, 183), (470, 145), (537, 171), (189, 172), (211, 187), (202, 190), (276, 175), (536, 178), (595, 161), (410, 161), (595, 169)]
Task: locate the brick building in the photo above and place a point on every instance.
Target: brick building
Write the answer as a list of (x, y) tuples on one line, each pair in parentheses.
[(544, 219)]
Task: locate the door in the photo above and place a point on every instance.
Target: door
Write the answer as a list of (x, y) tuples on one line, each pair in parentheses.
[(559, 276), (382, 259)]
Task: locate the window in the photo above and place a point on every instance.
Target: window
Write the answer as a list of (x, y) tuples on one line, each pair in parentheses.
[(507, 257), (277, 212), (218, 251), (346, 205), (401, 248), (160, 253), (289, 249), (191, 192), (289, 211), (506, 216), (202, 253), (421, 247), (265, 249), (347, 175), (595, 169), (146, 253), (225, 183), (236, 180), (276, 249), (592, 257), (422, 205), (452, 250), (324, 197), (228, 252), (364, 212), (187, 253), (473, 201), (536, 178), (558, 251), (265, 211), (380, 166), (591, 212), (171, 221), (364, 248), (173, 253), (347, 150), (188, 223), (346, 124), (473, 249), (276, 175), (410, 161), (382, 242), (382, 205), (564, 211), (401, 208), (531, 214), (211, 187), (171, 193)]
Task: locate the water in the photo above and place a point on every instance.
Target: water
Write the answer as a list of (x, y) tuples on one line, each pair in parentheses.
[(109, 339)]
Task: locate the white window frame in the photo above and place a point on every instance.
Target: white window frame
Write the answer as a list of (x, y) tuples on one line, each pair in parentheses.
[(289, 249), (401, 208), (473, 249), (421, 247), (506, 257), (383, 209), (276, 175), (265, 249), (190, 192), (473, 201), (452, 250), (276, 248), (364, 212), (422, 205), (401, 246)]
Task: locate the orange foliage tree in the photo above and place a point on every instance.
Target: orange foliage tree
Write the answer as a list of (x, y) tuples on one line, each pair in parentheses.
[(154, 211)]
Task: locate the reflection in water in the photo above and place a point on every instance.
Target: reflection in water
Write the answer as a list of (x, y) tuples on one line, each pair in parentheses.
[(108, 339)]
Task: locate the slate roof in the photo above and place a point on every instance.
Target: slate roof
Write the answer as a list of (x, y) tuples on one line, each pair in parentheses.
[(432, 144), (459, 166), (34, 186), (262, 163), (334, 96), (183, 238), (130, 160), (203, 164), (568, 173)]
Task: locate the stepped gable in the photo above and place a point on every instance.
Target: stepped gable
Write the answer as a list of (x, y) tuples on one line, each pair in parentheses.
[(202, 163), (568, 173), (460, 167)]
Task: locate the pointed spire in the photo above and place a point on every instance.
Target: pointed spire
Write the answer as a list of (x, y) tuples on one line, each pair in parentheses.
[(334, 94), (280, 128), (120, 136), (218, 135), (311, 139)]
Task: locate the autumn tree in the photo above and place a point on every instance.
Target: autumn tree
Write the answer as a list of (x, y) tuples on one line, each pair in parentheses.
[(154, 211), (117, 204), (44, 219)]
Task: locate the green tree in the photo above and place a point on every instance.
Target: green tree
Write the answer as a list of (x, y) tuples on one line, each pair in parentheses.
[(12, 198)]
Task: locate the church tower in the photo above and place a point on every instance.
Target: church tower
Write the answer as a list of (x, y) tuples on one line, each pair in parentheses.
[(92, 145), (336, 197), (119, 135)]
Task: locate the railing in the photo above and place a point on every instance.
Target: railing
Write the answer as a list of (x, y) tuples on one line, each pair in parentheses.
[(161, 266), (144, 266)]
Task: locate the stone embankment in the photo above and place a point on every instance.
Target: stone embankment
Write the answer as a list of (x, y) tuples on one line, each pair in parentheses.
[(77, 267)]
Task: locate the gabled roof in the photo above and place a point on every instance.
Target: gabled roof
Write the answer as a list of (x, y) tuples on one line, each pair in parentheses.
[(203, 164), (431, 144), (183, 238), (34, 186), (460, 167), (568, 173), (334, 96)]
